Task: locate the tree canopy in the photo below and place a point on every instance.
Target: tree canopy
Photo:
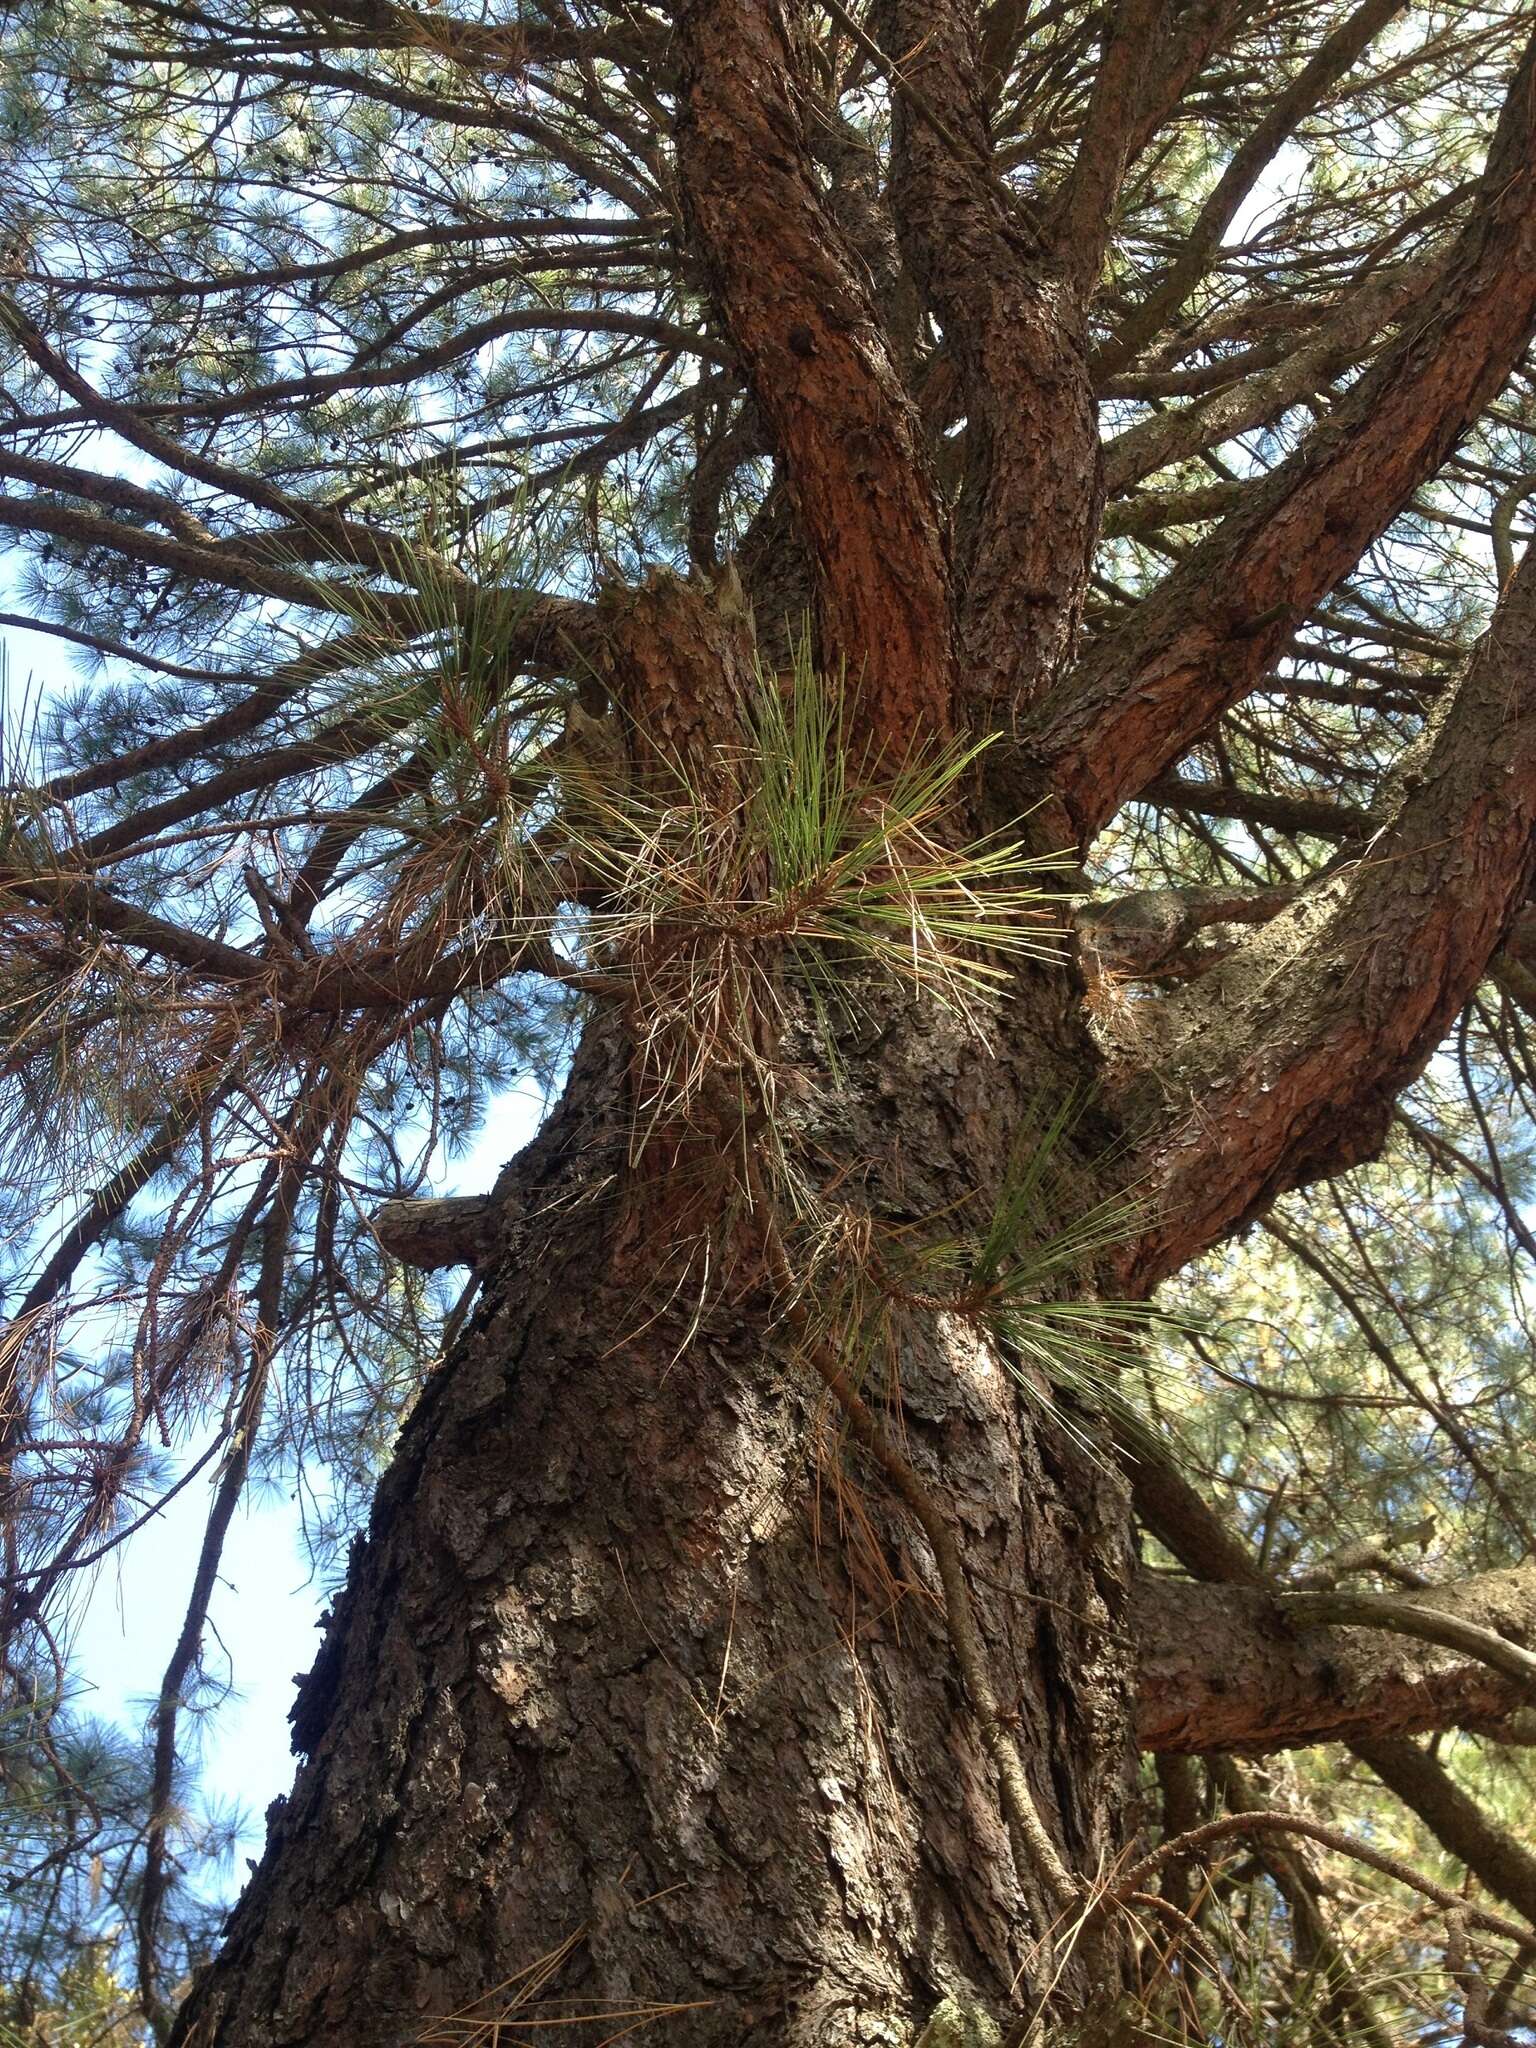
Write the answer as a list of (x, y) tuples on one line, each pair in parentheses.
[(362, 362)]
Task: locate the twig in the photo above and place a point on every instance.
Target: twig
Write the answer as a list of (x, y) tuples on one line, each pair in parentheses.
[(1271, 1822), (1408, 1618)]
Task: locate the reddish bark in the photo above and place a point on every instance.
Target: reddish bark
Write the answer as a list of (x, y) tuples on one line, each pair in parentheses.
[(611, 1681), (1013, 318), (1208, 634), (819, 364)]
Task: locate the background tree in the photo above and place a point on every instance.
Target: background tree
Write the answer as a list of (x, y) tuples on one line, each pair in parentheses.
[(924, 608)]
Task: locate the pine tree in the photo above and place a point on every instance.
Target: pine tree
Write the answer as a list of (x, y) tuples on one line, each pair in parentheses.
[(921, 612)]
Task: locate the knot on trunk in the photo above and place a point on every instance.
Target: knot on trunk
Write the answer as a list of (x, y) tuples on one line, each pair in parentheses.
[(957, 2025)]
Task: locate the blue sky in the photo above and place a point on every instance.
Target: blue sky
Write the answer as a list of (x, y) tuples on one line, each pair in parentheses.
[(264, 1610), (268, 1597)]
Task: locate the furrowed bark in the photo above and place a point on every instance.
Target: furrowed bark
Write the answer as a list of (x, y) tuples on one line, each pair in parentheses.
[(1014, 324), (819, 364), (1207, 635), (1282, 1062), (665, 1689), (644, 1669)]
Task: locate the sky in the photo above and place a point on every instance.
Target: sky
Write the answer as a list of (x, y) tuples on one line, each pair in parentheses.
[(264, 1610), (268, 1598)]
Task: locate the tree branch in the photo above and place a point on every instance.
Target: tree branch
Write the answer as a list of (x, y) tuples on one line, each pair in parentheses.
[(826, 388), (1306, 92), (1453, 1819), (1229, 1668), (1340, 339), (1210, 631), (1084, 208), (1312, 817), (445, 1230), (1014, 322), (1282, 1062), (1203, 1543)]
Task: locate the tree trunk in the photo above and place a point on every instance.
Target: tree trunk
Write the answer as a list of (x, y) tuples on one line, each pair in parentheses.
[(639, 1698), (673, 1684)]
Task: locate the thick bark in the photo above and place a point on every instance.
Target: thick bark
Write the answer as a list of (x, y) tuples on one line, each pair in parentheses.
[(644, 1698), (616, 1670), (1282, 1063), (642, 1670), (646, 1666), (819, 363), (1012, 313)]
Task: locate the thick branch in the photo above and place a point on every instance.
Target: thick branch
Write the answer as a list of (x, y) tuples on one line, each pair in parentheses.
[(1149, 932), (1013, 323), (1286, 1057), (810, 341), (1315, 817), (444, 1230), (1210, 632), (1085, 206), (1179, 56), (1203, 1543), (1228, 1668)]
